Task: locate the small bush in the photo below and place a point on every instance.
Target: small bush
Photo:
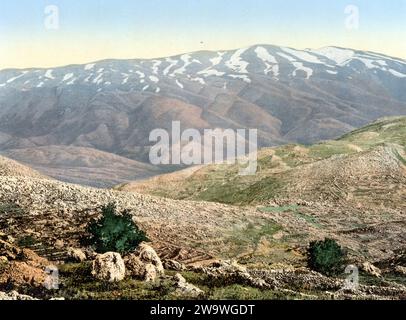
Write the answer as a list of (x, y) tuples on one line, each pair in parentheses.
[(115, 232), (326, 257)]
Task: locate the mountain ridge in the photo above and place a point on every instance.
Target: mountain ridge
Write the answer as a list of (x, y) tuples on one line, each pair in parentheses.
[(197, 52)]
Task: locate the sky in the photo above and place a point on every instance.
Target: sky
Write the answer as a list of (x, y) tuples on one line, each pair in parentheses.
[(49, 33)]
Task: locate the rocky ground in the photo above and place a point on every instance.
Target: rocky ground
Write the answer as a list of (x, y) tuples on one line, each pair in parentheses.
[(143, 275)]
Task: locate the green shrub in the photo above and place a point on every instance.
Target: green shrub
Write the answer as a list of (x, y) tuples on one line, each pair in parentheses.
[(115, 232), (326, 257)]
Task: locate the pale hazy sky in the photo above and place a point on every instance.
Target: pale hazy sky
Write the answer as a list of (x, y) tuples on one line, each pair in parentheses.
[(92, 30)]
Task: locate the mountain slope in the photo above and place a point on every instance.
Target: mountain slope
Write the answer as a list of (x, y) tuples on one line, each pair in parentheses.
[(12, 168), (372, 158), (81, 165), (352, 189), (289, 95)]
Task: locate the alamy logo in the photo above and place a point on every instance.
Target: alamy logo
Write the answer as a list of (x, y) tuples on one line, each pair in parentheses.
[(214, 146)]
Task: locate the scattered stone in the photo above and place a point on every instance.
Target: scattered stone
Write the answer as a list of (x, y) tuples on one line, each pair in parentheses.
[(371, 269), (174, 265), (109, 267), (8, 250), (400, 270), (186, 289), (230, 272), (14, 295), (59, 244), (76, 255), (151, 273)]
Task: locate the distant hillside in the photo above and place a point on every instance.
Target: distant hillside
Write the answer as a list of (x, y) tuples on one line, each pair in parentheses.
[(370, 161), (85, 166), (12, 168)]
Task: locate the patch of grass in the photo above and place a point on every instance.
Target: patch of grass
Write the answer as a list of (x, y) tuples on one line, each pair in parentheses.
[(399, 157), (239, 292), (327, 150), (280, 209), (11, 208), (218, 290), (309, 219), (27, 242), (248, 242), (263, 190), (252, 234), (78, 284)]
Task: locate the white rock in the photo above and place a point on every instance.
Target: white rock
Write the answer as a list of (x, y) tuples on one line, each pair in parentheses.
[(109, 267)]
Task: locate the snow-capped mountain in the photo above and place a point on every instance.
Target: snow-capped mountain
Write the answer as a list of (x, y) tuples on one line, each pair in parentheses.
[(289, 95), (191, 71)]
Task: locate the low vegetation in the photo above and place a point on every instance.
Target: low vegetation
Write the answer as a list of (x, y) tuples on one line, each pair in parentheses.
[(326, 257), (115, 232)]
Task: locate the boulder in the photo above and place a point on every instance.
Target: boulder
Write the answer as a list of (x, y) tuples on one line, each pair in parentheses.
[(76, 255), (151, 272), (135, 268), (109, 267), (147, 253), (141, 270), (185, 289), (21, 267), (173, 265)]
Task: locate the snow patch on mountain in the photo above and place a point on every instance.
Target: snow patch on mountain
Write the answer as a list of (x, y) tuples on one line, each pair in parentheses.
[(338, 55), (236, 63), (71, 82), (180, 85), (67, 77), (241, 77), (154, 79), (217, 60), (15, 78), (48, 74), (89, 66), (300, 66), (397, 74), (172, 63), (98, 79), (302, 55), (140, 74), (200, 80), (155, 66)]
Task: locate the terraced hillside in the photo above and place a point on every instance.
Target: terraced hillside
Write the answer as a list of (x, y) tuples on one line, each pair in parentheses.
[(352, 189), (364, 164)]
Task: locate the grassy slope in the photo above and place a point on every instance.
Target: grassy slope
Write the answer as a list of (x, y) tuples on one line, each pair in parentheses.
[(222, 183)]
